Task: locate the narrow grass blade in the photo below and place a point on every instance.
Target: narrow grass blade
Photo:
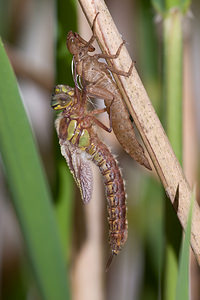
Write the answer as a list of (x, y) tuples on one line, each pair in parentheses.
[(29, 188), (182, 288), (173, 80), (173, 123)]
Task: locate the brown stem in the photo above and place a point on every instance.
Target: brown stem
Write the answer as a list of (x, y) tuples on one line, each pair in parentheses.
[(145, 118)]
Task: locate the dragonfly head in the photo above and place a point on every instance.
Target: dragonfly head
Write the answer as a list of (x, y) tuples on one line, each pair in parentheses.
[(62, 97), (77, 45)]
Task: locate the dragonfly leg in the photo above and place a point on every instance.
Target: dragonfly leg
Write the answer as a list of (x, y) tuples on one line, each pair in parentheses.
[(93, 37), (99, 111), (101, 125), (120, 72), (110, 56)]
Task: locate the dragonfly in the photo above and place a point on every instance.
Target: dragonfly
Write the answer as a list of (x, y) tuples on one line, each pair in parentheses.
[(96, 79), (80, 145)]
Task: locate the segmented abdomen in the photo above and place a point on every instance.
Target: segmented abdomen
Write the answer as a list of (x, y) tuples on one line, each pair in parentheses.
[(115, 192), (86, 140)]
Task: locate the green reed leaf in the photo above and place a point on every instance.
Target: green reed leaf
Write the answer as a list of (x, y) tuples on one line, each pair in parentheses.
[(29, 189)]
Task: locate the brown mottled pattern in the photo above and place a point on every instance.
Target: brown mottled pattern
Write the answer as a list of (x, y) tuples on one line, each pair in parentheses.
[(75, 128), (115, 192), (121, 123), (114, 185), (96, 79)]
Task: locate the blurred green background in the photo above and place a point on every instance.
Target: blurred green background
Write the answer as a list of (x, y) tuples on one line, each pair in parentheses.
[(34, 36)]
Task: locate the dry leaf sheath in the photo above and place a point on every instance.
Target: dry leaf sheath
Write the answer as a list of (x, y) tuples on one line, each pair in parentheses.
[(145, 118)]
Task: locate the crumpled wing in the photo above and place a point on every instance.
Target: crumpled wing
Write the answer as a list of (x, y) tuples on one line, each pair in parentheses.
[(80, 168)]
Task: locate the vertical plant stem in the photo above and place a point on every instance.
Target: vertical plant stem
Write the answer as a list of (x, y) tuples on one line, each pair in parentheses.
[(183, 287), (173, 79), (173, 114)]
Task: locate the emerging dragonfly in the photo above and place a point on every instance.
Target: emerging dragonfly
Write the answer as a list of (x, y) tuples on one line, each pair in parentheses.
[(80, 145), (96, 79)]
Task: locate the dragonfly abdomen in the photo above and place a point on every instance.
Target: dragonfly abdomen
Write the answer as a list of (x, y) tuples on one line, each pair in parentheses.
[(115, 192), (72, 131)]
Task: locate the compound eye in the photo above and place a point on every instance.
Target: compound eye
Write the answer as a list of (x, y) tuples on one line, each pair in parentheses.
[(63, 102), (60, 101)]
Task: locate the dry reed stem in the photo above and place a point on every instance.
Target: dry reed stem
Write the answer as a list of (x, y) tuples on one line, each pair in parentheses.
[(146, 120)]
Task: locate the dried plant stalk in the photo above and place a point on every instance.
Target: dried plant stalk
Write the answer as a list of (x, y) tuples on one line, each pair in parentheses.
[(146, 120)]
